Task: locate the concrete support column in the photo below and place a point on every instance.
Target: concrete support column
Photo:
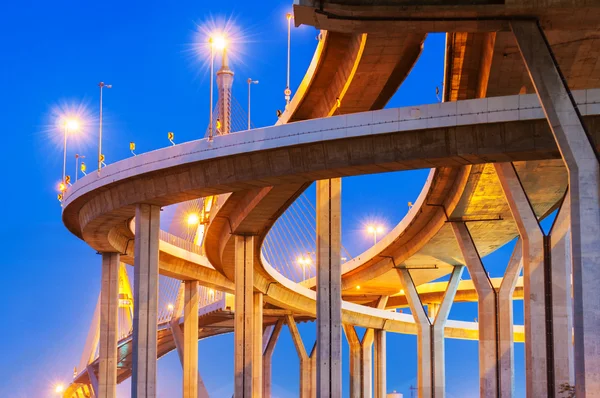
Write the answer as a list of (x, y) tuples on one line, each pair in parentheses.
[(562, 303), (109, 307), (257, 349), (380, 364), (505, 323), (488, 362), (308, 378), (431, 373), (581, 160), (268, 357), (424, 355), (244, 315), (538, 355), (437, 338), (329, 295), (145, 298), (180, 343), (356, 362), (190, 335)]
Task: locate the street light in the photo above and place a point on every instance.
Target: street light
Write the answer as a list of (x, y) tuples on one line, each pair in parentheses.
[(193, 219), (250, 82), (77, 157), (70, 125), (304, 262), (100, 157), (287, 91), (372, 229), (220, 43), (59, 389)]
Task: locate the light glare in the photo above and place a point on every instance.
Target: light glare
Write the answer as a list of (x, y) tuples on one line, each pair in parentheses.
[(193, 219)]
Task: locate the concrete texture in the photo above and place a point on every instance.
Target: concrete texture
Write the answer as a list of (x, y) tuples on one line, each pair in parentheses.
[(257, 346), (505, 322), (145, 297), (190, 335), (244, 316), (109, 317), (308, 363), (581, 160), (329, 292), (268, 358), (380, 364), (488, 362), (534, 299)]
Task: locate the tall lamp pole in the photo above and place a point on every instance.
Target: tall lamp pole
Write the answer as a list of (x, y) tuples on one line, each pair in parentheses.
[(101, 85), (250, 82), (287, 91), (212, 74)]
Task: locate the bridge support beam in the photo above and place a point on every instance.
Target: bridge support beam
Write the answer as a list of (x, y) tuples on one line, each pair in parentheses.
[(329, 294), (361, 358), (268, 357), (581, 160), (506, 325), (257, 349), (190, 336), (145, 298), (543, 276), (244, 315), (308, 363), (431, 373), (109, 317), (380, 361), (487, 312)]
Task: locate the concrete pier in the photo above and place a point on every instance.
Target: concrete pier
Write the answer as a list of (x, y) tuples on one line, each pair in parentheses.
[(190, 336), (380, 364), (534, 298), (308, 369), (244, 316), (268, 357), (145, 298), (488, 363), (257, 347), (329, 294), (506, 351), (581, 160), (109, 316)]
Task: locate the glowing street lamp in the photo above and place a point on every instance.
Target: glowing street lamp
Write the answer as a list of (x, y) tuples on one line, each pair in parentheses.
[(193, 219), (287, 91), (219, 43), (304, 262), (70, 125), (373, 229), (170, 307), (59, 389)]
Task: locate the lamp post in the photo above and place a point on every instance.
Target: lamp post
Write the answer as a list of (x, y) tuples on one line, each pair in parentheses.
[(372, 229), (72, 125), (304, 262), (220, 43), (101, 85), (250, 83), (77, 157), (287, 91)]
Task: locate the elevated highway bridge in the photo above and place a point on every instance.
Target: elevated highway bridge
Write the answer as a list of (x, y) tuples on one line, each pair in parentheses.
[(497, 165)]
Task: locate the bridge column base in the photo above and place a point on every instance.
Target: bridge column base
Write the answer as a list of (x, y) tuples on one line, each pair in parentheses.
[(244, 315), (190, 337), (380, 364), (431, 373), (145, 298), (308, 363), (109, 307), (268, 356), (329, 292)]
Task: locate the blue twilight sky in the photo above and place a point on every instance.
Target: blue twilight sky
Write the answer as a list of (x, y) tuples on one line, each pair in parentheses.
[(52, 55)]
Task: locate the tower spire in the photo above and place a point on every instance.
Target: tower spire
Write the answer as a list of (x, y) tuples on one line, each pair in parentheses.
[(224, 83)]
